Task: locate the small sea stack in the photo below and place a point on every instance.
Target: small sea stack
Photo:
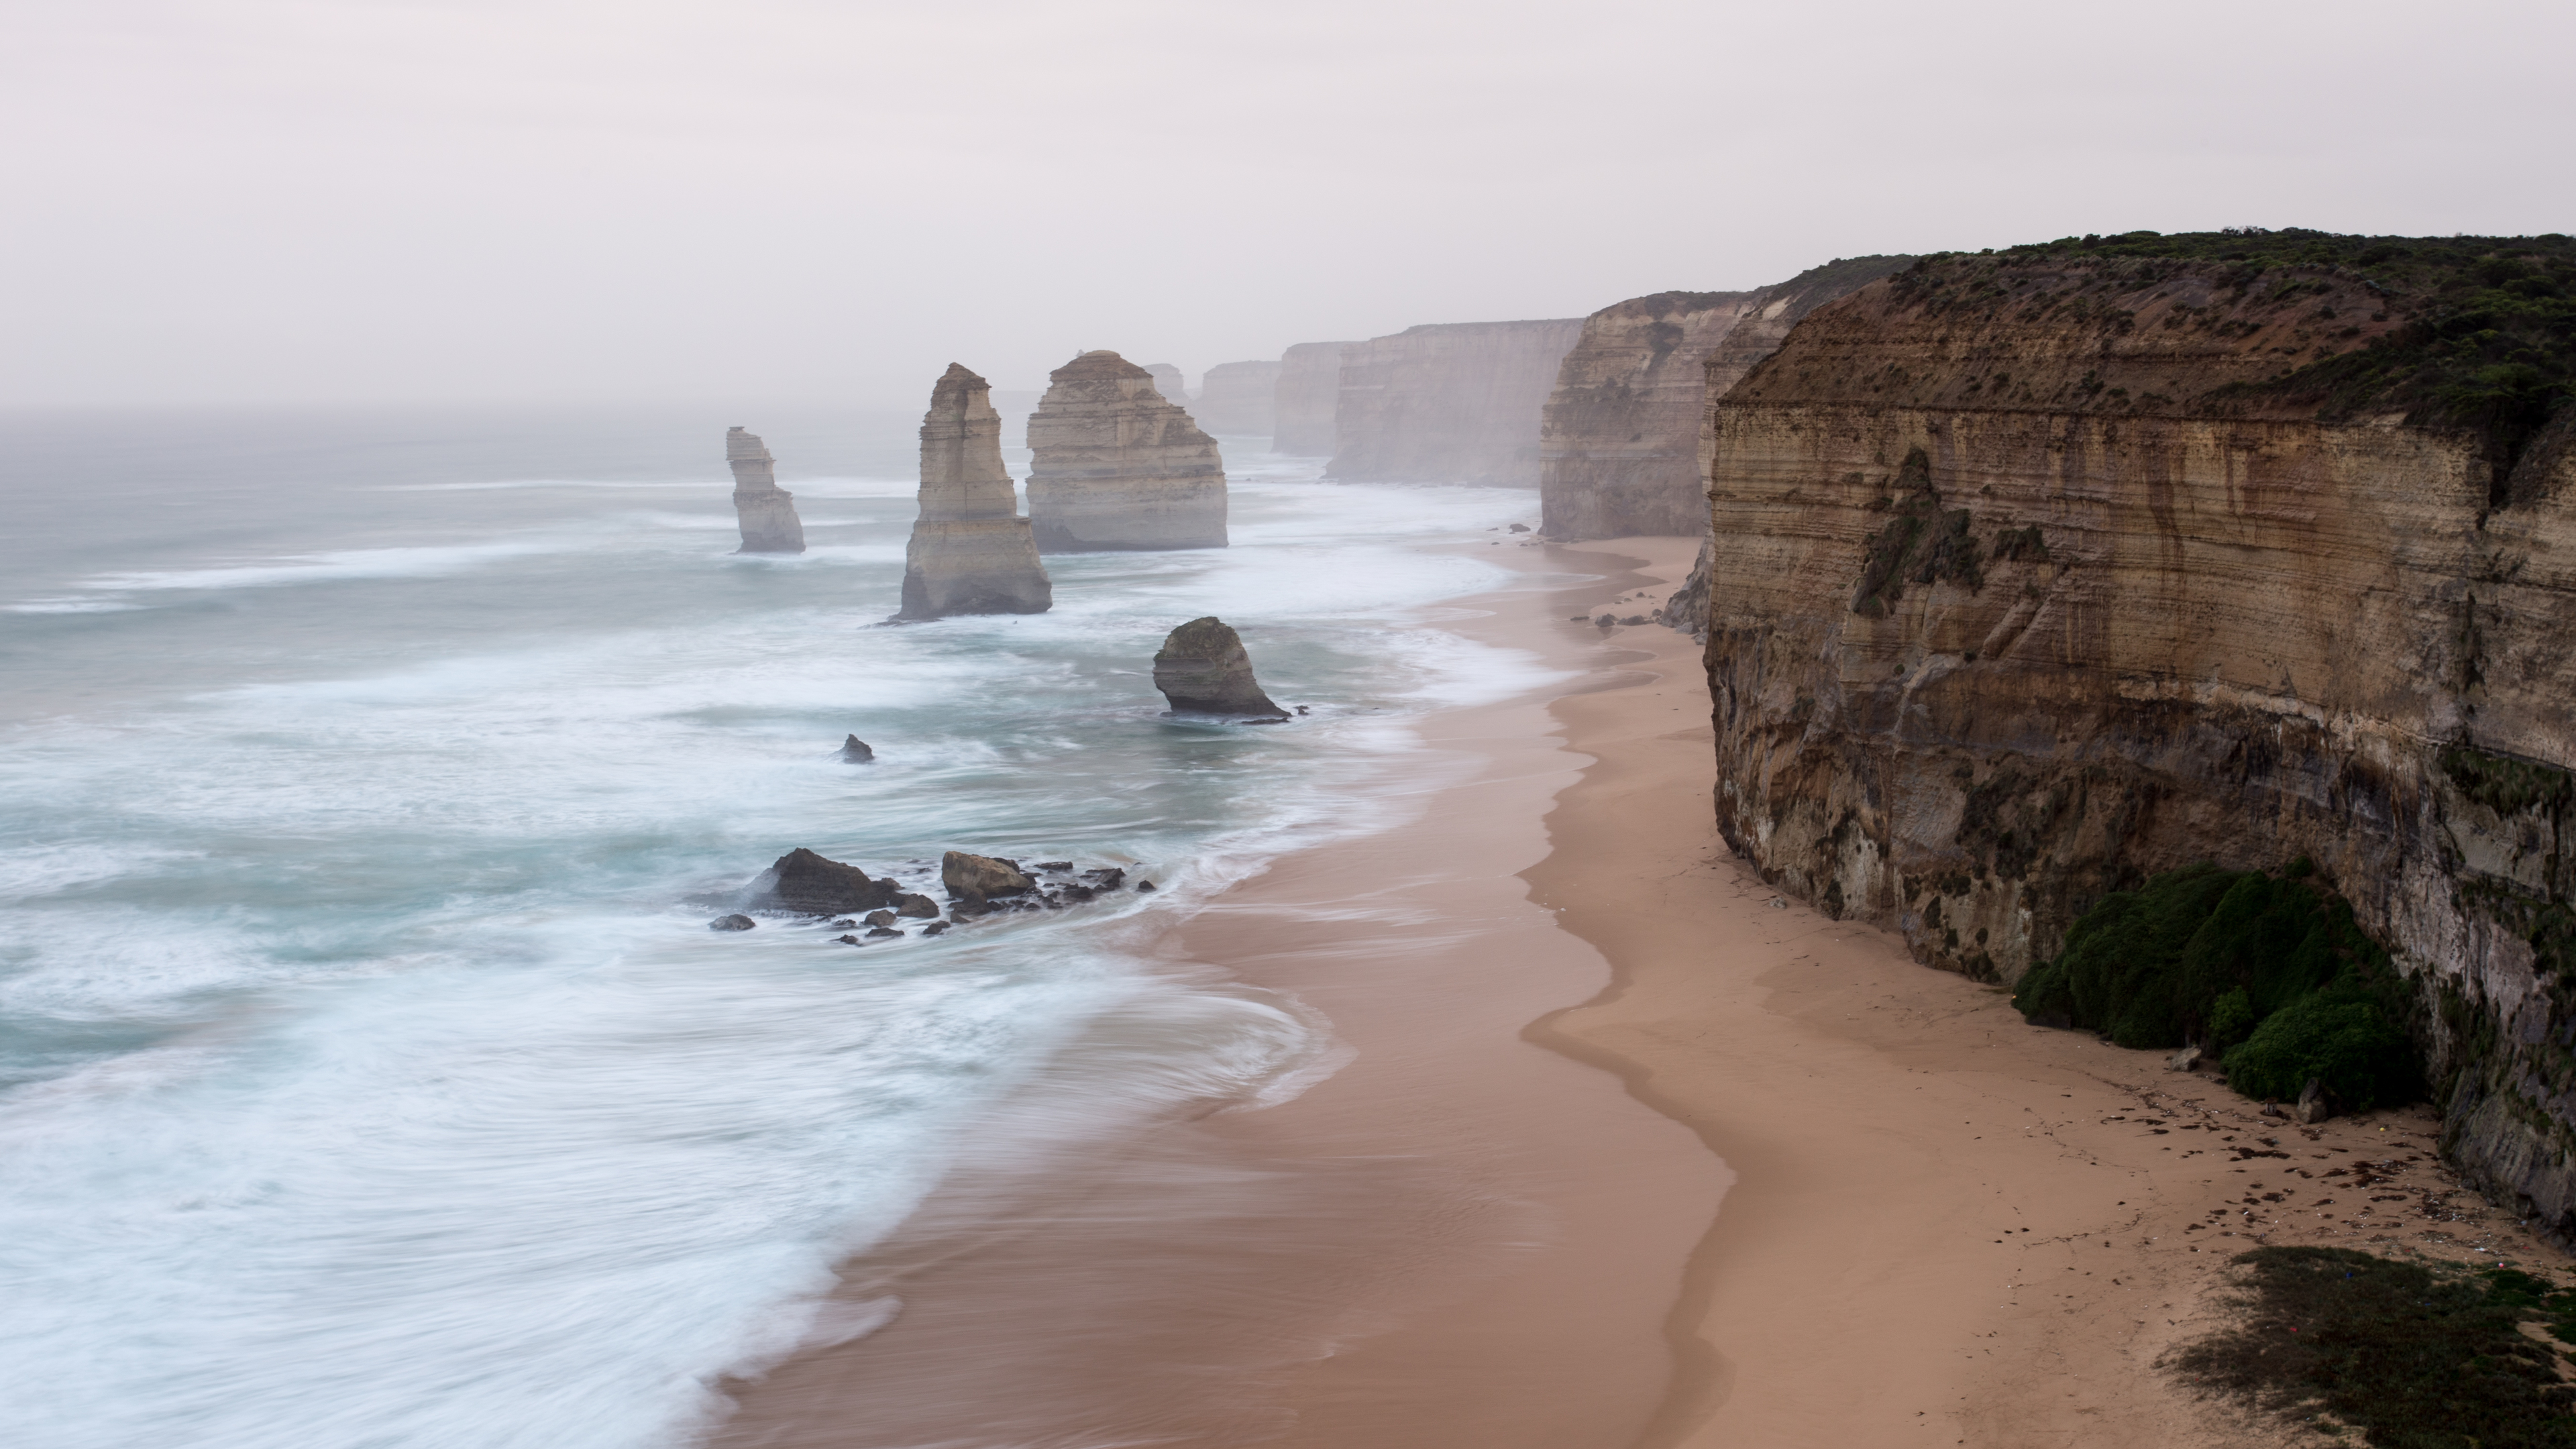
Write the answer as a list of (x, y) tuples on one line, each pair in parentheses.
[(971, 551), (1119, 466), (766, 511), (816, 886), (855, 751), (973, 881), (1167, 381), (1202, 669)]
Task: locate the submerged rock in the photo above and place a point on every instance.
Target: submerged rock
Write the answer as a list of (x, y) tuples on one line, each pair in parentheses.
[(880, 918), (934, 928), (732, 923), (976, 879), (879, 933), (1116, 464), (971, 551), (856, 751), (806, 882), (766, 511), (1202, 669), (916, 906)]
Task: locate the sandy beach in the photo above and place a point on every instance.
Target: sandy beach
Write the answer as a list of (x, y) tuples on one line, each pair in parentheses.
[(1628, 1150)]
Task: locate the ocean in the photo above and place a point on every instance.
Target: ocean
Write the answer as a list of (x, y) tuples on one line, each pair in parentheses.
[(368, 1073)]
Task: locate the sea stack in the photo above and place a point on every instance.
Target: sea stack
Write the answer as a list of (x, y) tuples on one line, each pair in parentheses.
[(767, 511), (1167, 381), (1202, 669), (1119, 466), (1238, 400), (971, 551)]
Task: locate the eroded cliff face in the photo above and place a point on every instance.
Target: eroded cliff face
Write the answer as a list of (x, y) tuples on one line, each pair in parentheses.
[(1168, 382), (1238, 399), (1453, 402), (1115, 465), (971, 552), (1310, 386), (2032, 577), (1619, 437), (765, 511)]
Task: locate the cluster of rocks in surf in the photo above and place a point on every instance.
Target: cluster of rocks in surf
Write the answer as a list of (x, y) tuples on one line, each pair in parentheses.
[(875, 908)]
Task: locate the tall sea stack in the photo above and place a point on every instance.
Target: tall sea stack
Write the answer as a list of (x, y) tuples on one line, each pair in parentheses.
[(1302, 402), (1118, 466), (1454, 402), (767, 512), (971, 551)]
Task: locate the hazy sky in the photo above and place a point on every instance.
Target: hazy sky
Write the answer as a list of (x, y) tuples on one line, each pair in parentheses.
[(808, 202)]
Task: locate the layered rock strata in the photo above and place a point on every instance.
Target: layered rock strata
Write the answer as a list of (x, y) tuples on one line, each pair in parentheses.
[(1302, 403), (1239, 399), (2035, 574), (1202, 669), (766, 511), (971, 551), (1116, 465), (1454, 402), (1619, 438)]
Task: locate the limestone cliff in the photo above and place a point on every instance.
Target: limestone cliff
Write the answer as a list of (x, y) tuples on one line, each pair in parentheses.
[(1167, 381), (766, 511), (971, 551), (1237, 399), (1310, 385), (2034, 573), (1619, 437), (1116, 466), (1454, 402)]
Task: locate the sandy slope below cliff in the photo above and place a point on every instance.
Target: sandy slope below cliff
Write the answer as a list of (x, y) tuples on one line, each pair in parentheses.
[(1947, 1226)]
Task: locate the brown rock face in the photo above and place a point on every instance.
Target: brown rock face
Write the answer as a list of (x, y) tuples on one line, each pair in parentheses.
[(1619, 439), (807, 882), (976, 879), (2027, 582), (1202, 669), (1452, 402), (1117, 466), (766, 511), (1309, 389), (971, 551), (1238, 399)]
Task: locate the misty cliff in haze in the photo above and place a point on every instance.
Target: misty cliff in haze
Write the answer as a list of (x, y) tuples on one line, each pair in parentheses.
[(1454, 402)]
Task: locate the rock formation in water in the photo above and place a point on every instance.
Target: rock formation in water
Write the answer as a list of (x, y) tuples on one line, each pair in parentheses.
[(1202, 669), (766, 511), (806, 882), (1167, 381), (1454, 402), (2039, 572), (856, 751), (1238, 399), (1619, 438), (1115, 465), (1302, 404), (973, 880), (971, 551)]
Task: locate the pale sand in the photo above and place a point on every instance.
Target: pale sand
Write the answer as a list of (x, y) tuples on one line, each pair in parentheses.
[(1470, 1237)]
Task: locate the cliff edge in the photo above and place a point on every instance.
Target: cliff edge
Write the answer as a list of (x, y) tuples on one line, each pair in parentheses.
[(2037, 572), (1454, 402)]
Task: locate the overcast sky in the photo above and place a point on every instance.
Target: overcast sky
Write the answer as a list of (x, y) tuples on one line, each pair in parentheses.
[(806, 202)]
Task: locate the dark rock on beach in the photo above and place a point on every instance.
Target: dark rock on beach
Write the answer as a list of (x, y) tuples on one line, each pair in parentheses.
[(732, 923), (806, 882), (1202, 669), (879, 933), (880, 918), (856, 751), (980, 878), (934, 928), (1107, 877), (919, 907)]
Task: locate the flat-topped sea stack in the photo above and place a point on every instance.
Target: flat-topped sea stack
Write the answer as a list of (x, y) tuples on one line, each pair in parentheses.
[(1619, 438), (1302, 403), (1167, 381), (766, 511), (1454, 402), (971, 551), (1118, 466), (1202, 669), (1238, 399)]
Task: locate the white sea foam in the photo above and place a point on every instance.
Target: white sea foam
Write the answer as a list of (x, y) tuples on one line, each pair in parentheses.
[(336, 566)]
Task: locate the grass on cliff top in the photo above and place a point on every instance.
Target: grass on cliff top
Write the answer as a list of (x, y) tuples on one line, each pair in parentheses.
[(2268, 972), (2488, 342), (2412, 1355)]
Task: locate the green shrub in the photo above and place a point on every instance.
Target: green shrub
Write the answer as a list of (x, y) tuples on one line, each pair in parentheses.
[(2231, 1019), (2341, 1037)]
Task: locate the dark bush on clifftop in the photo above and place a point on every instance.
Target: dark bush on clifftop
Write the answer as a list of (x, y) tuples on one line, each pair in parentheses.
[(2269, 969)]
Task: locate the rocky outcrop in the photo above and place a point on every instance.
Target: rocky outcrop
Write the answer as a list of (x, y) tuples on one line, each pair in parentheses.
[(856, 751), (1454, 402), (1115, 465), (2039, 572), (1238, 399), (806, 882), (971, 551), (973, 880), (1619, 438), (766, 511), (1202, 669), (1167, 381), (1309, 389)]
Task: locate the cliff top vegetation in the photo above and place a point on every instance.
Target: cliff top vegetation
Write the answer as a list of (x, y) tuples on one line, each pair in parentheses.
[(2475, 332)]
